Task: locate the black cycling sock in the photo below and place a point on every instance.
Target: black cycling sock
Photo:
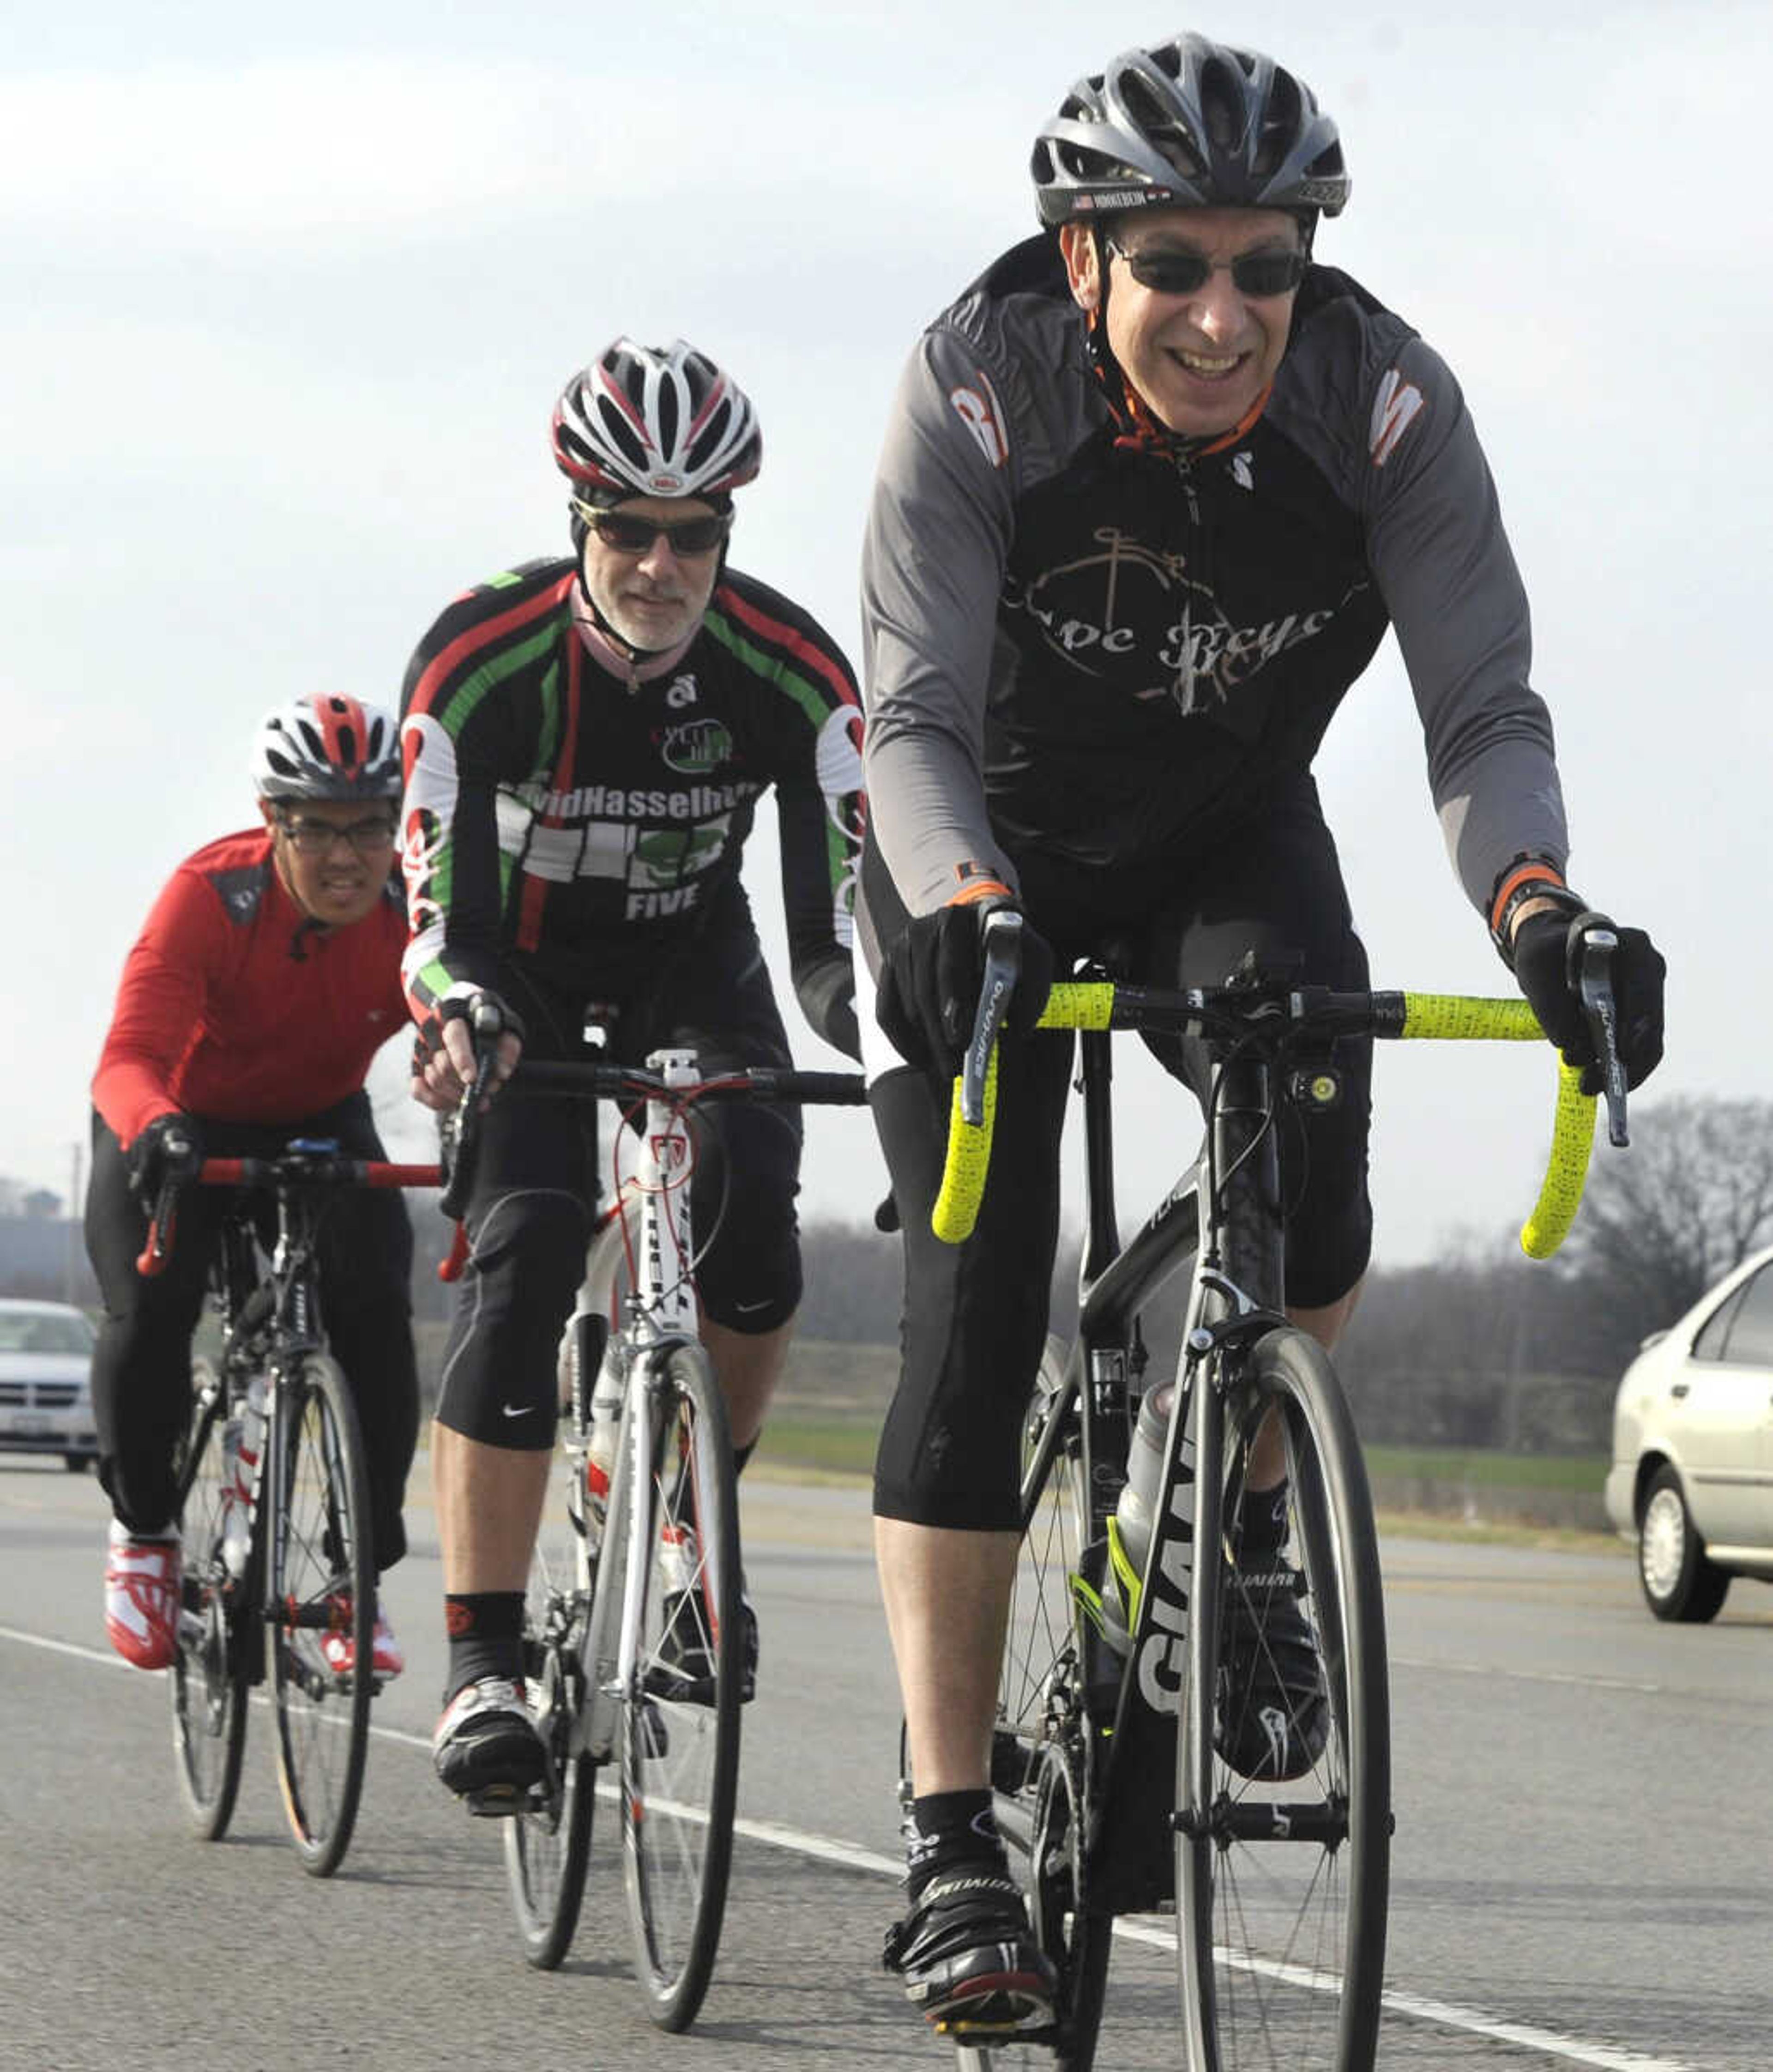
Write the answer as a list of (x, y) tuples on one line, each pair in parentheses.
[(1261, 1524), (485, 1637), (947, 1828)]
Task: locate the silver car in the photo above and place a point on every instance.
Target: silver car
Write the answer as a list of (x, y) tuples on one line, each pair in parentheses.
[(46, 1381), (1692, 1479)]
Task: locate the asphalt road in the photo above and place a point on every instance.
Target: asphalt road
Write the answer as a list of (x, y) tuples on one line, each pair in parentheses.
[(1583, 1871)]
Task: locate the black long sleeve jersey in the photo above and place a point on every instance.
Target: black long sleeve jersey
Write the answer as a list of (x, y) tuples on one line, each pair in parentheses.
[(1083, 647), (555, 812)]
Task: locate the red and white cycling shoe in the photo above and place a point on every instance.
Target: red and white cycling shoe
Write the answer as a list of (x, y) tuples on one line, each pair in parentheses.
[(338, 1652), (141, 1589)]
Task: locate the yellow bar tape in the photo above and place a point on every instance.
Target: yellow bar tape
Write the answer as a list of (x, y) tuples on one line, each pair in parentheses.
[(1439, 1017), (969, 1159)]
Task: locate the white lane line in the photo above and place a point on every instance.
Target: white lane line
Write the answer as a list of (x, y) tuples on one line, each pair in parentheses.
[(1158, 1934), (1496, 1672)]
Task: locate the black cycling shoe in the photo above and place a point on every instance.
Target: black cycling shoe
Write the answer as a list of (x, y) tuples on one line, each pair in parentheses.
[(968, 1958), (684, 1668), (486, 1749), (1273, 1716)]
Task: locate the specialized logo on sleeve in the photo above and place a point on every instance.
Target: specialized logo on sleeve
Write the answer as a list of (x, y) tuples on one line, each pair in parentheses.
[(1394, 409), (979, 412)]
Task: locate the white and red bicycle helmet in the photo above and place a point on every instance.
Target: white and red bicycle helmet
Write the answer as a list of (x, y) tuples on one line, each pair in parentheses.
[(327, 747), (653, 421)]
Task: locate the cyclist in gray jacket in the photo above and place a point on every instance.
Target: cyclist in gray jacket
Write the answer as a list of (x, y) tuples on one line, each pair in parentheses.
[(1152, 491)]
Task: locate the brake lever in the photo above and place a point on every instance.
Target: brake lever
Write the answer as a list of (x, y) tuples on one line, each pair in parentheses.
[(1003, 941), (1593, 941), (459, 1140)]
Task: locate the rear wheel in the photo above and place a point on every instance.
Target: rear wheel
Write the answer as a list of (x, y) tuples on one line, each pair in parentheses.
[(212, 1668), (1044, 1746), (1680, 1580), (546, 1847), (323, 1593), (678, 1735), (1283, 1859)]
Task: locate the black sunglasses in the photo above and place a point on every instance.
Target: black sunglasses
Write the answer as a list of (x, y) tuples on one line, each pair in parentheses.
[(1167, 270), (630, 535)]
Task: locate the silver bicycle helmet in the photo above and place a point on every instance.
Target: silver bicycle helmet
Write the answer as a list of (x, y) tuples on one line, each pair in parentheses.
[(1189, 124), (327, 747), (653, 421)]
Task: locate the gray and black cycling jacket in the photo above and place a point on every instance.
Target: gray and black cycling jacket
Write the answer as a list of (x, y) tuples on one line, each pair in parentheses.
[(1087, 649)]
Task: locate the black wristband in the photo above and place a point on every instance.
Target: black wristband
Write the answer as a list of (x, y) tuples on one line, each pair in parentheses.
[(1561, 896)]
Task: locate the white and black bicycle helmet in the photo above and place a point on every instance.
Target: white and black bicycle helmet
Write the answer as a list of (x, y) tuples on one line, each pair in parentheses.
[(1188, 124), (327, 747), (655, 421)]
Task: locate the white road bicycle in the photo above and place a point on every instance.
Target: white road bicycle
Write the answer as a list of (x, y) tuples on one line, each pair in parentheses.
[(633, 1637)]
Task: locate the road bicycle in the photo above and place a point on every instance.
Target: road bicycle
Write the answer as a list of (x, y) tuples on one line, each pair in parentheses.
[(274, 1511), (1130, 1772), (634, 1639)]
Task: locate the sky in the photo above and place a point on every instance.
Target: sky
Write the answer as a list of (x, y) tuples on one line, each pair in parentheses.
[(286, 297)]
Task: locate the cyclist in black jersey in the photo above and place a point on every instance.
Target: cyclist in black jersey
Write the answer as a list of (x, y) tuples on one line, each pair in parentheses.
[(1152, 491), (586, 740)]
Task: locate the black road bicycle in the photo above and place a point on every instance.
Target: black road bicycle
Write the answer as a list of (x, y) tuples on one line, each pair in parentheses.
[(634, 1640), (274, 1512), (1131, 1772)]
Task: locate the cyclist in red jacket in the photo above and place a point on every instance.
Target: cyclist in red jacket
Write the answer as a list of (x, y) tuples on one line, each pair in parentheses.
[(264, 981)]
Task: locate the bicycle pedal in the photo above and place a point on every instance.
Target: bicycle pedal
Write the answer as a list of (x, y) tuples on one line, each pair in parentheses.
[(503, 1802), (1038, 2028)]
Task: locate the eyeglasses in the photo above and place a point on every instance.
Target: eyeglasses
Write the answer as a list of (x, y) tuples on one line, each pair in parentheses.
[(316, 837), (1167, 270), (630, 535)]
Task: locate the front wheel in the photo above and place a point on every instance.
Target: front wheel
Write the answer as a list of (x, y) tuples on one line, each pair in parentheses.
[(322, 1616), (1681, 1581), (211, 1671), (1284, 1765), (679, 1733)]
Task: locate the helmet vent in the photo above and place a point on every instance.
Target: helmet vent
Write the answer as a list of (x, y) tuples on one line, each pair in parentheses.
[(1159, 126), (620, 433)]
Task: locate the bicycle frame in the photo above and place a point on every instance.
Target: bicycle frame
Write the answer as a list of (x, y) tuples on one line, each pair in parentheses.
[(270, 1323), (659, 1314), (1116, 1282)]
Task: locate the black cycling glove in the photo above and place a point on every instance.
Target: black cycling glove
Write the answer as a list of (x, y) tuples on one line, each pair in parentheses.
[(169, 1147), (1542, 956), (929, 983)]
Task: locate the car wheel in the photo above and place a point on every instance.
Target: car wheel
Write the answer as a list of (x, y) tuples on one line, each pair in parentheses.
[(1679, 1581), (74, 1463)]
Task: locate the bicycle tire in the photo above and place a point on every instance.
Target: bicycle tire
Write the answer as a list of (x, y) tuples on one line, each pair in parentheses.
[(213, 1666), (322, 1580), (547, 1847), (1281, 1883), (678, 1734), (1043, 1747)]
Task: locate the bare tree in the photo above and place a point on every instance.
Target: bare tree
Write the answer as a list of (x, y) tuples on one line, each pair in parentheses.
[(1692, 1198)]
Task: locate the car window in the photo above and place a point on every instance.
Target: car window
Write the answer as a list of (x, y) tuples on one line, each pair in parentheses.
[(1710, 1344), (1750, 1342), (53, 1331)]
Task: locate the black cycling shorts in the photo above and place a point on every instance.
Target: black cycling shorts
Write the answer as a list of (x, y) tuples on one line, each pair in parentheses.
[(975, 1314), (538, 1177)]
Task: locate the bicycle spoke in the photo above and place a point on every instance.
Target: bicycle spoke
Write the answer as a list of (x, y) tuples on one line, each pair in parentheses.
[(547, 1847), (323, 1584), (679, 1736), (1282, 1889), (209, 1674)]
